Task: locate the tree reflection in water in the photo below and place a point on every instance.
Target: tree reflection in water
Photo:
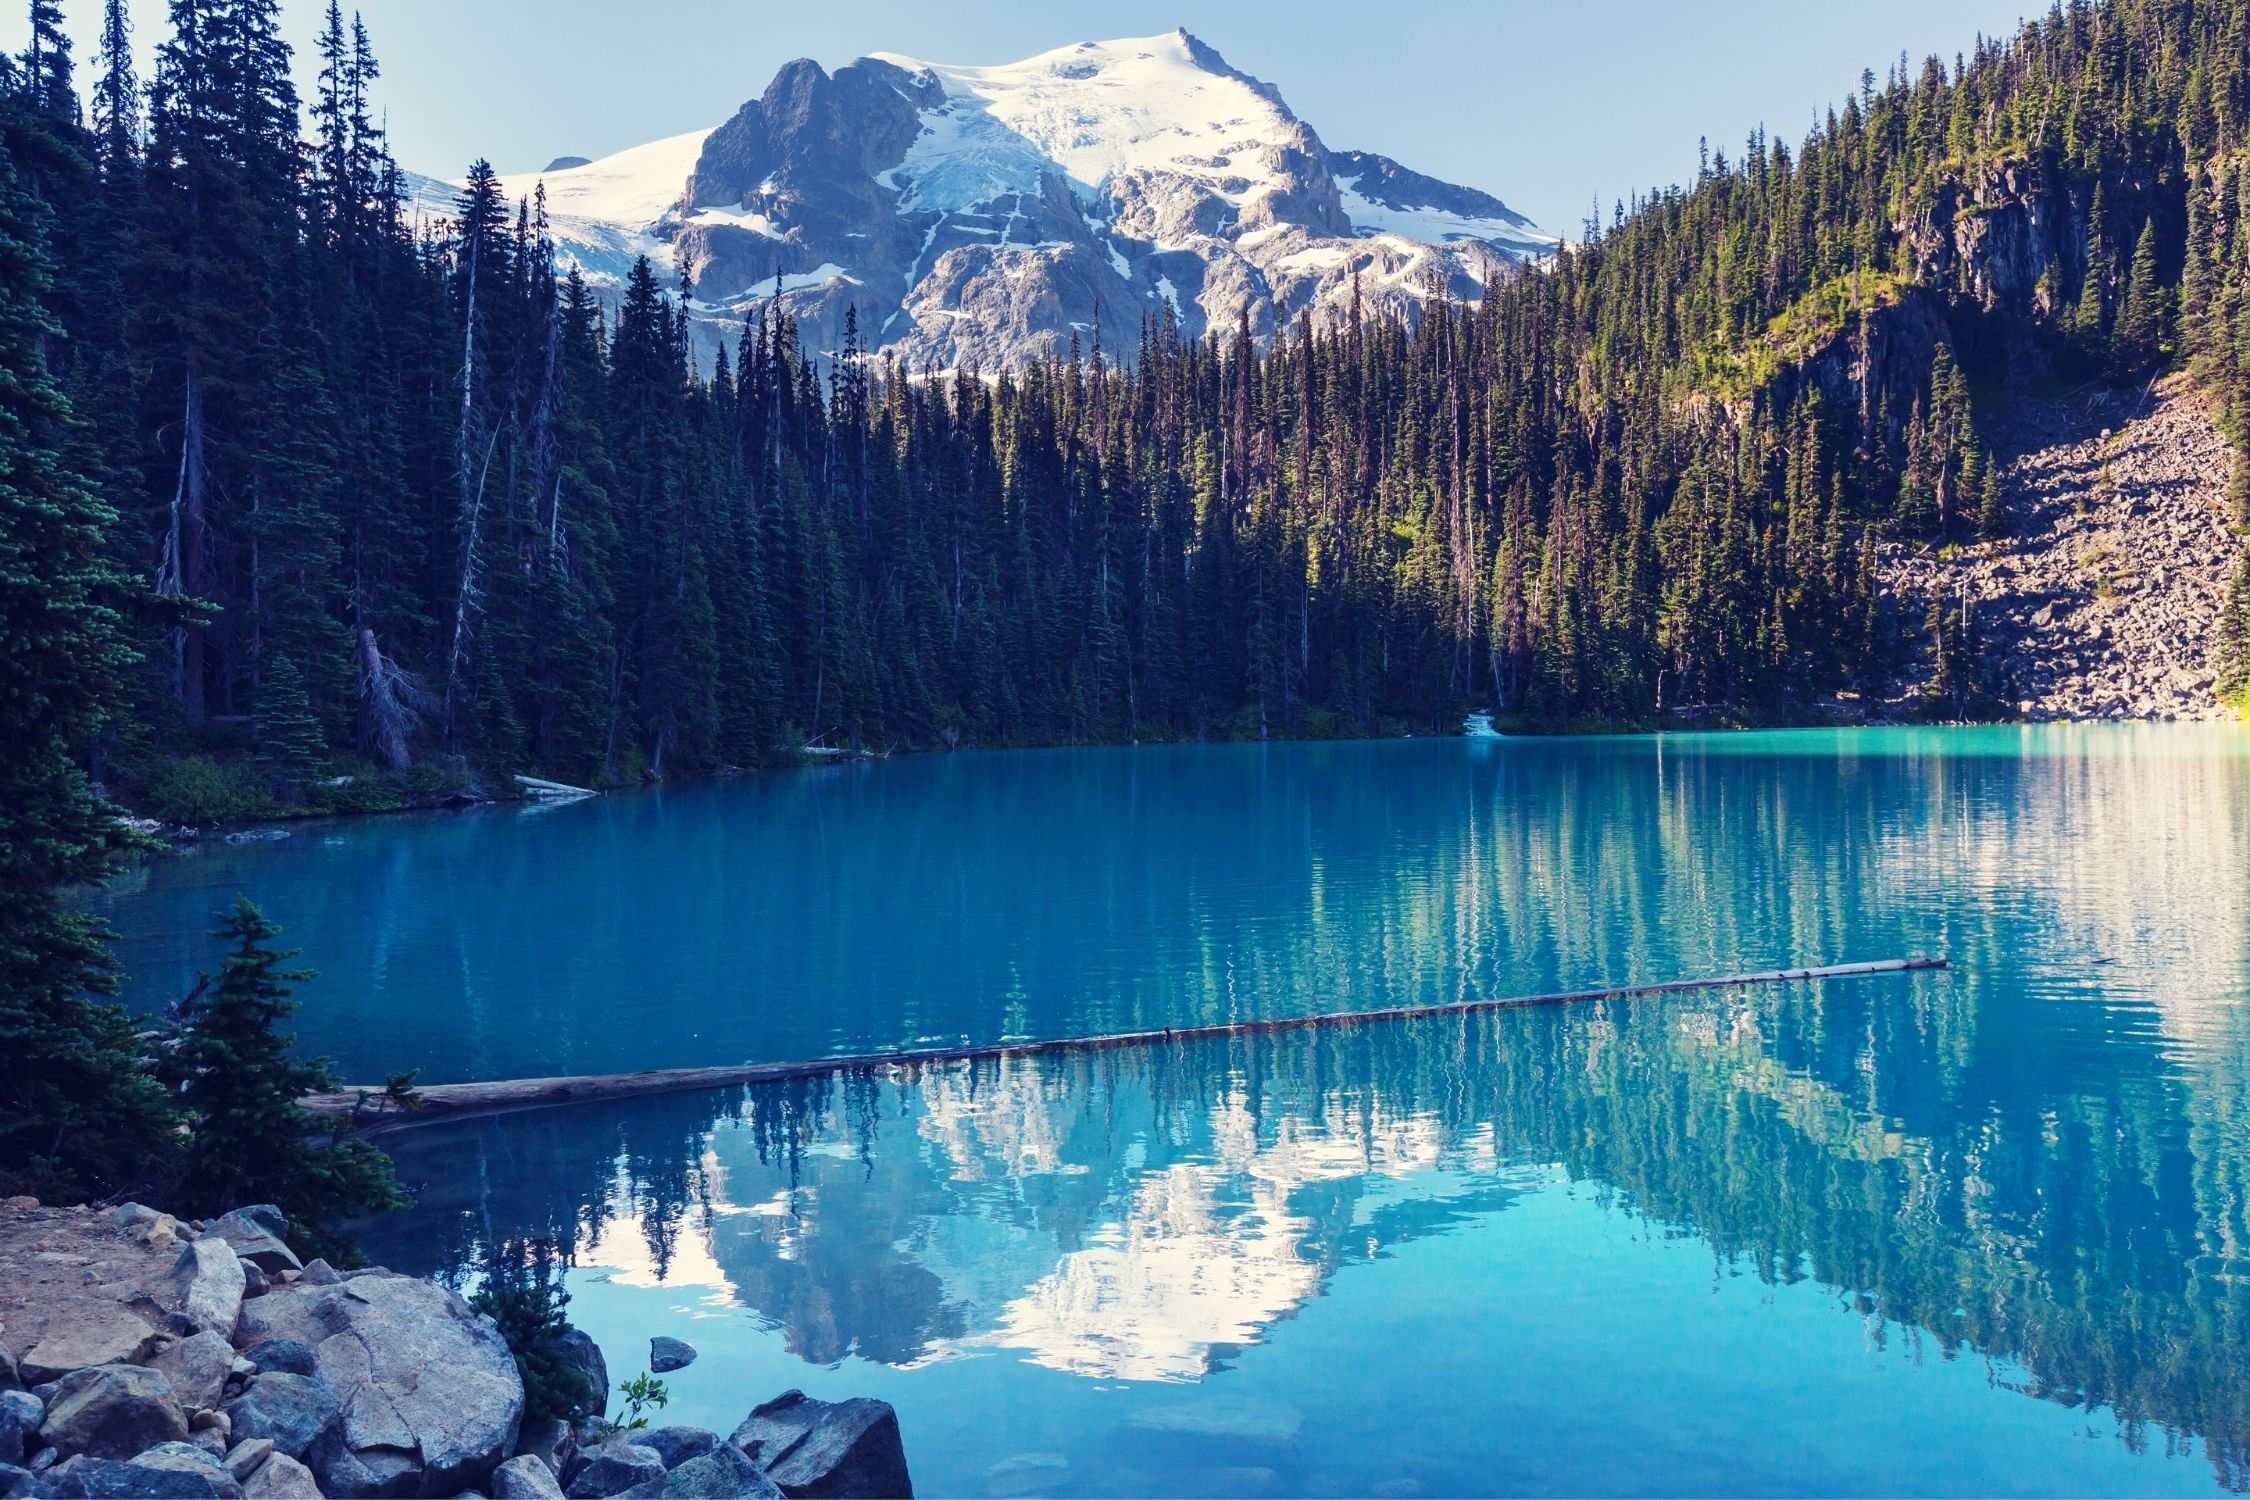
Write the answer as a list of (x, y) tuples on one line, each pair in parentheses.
[(1142, 1215)]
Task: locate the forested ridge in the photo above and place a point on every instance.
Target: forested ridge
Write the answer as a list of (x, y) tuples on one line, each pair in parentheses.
[(308, 501)]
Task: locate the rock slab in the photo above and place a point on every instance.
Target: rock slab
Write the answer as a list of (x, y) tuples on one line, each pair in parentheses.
[(255, 1234), (112, 1411), (424, 1383), (281, 1478), (722, 1474), (197, 1369), (525, 1477), (613, 1468), (676, 1445), (295, 1411), (123, 1479), (211, 1285), (827, 1450)]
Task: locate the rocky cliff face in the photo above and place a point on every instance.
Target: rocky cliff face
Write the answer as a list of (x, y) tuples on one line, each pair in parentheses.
[(987, 215), (2007, 250)]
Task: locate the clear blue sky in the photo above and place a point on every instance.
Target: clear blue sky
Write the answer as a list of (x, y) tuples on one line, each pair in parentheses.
[(1548, 105)]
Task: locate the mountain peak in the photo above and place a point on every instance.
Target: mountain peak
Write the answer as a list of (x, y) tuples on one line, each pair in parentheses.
[(988, 213)]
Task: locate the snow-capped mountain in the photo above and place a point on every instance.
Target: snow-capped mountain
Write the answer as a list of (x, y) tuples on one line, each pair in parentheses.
[(983, 214)]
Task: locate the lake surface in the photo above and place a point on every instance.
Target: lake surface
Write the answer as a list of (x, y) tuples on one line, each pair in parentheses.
[(1986, 1230)]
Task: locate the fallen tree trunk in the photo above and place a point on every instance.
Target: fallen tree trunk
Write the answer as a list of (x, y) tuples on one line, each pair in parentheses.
[(444, 1101), (541, 788)]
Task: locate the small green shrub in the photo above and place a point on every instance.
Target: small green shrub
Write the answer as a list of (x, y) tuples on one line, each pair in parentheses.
[(198, 790), (528, 1305), (359, 794), (426, 783), (642, 1393)]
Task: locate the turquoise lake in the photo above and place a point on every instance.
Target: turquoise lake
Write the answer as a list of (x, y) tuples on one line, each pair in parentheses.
[(1985, 1230)]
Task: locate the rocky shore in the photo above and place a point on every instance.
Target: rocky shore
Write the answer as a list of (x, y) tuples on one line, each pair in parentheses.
[(143, 1356)]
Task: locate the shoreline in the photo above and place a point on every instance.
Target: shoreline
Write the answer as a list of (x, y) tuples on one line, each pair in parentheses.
[(232, 830)]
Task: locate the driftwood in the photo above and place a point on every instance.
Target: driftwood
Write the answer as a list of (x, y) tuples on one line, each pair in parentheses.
[(534, 786), (442, 1101)]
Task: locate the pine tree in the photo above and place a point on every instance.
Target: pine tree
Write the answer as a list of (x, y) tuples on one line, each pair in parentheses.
[(289, 733), (250, 1140), (2230, 655), (2141, 324), (1992, 515), (78, 1115)]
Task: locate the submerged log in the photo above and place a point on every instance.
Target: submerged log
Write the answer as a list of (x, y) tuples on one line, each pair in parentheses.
[(444, 1101)]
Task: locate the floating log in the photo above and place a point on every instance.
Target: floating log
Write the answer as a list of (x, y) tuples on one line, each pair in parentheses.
[(538, 788), (448, 1101)]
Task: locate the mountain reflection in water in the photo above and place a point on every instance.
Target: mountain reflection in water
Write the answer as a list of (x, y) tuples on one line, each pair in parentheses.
[(1982, 1230), (1145, 1216)]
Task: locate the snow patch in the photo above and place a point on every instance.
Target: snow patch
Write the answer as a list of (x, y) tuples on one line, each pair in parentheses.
[(1096, 110), (1434, 226), (634, 187)]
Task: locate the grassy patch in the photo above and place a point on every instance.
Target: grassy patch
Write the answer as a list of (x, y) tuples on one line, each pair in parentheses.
[(214, 789), (1733, 371)]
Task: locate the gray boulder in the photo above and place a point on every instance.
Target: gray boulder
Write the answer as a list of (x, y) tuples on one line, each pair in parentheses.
[(423, 1381), (667, 1354), (20, 1415), (112, 1411), (613, 1468), (197, 1368), (281, 1478), (321, 1273), (343, 1470), (296, 1411), (255, 1234), (525, 1477), (285, 1355), (132, 1479), (185, 1456), (244, 1458), (211, 1284), (676, 1445), (20, 1484), (585, 1356), (827, 1450), (725, 1473), (100, 1334), (550, 1440)]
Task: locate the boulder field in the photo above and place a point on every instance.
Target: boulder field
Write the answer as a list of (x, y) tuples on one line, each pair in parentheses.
[(144, 1356)]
